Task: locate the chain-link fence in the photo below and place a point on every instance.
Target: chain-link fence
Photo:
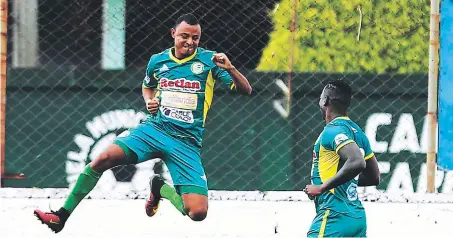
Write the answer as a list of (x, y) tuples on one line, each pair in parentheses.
[(76, 67)]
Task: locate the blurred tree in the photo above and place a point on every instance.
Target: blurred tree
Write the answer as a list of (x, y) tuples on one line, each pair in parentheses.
[(394, 37)]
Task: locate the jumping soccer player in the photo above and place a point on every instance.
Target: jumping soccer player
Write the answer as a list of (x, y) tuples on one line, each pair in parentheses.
[(342, 160), (178, 91)]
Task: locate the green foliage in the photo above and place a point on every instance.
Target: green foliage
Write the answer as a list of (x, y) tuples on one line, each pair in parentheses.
[(394, 37)]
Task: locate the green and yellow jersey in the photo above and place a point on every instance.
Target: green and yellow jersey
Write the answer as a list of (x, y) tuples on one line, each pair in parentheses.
[(185, 88), (326, 162)]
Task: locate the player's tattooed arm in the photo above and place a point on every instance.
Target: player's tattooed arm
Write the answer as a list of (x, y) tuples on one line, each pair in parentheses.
[(240, 81), (370, 176), (353, 165)]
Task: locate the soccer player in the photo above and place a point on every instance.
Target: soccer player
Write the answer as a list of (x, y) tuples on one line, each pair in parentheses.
[(342, 160), (178, 91)]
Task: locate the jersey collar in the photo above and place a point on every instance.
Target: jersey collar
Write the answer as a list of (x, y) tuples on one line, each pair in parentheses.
[(344, 118), (180, 61)]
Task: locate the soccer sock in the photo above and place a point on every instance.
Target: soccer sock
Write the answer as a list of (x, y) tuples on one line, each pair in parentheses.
[(85, 183), (168, 192)]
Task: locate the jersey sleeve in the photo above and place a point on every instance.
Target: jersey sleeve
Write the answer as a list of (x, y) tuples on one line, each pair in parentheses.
[(335, 137), (150, 80), (367, 151), (223, 75)]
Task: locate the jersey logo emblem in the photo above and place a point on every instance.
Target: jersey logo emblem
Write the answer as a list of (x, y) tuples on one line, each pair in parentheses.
[(180, 84), (197, 68), (340, 138), (351, 192), (178, 114), (163, 68)]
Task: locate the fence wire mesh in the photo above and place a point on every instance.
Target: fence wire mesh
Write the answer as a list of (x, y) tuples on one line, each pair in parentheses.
[(75, 70)]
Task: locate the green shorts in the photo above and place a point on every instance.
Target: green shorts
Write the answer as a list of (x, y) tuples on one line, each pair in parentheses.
[(148, 141), (328, 223)]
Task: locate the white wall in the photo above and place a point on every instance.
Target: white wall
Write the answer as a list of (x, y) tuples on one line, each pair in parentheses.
[(226, 218)]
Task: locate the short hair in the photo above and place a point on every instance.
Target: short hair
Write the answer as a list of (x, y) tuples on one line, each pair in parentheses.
[(340, 94), (189, 18)]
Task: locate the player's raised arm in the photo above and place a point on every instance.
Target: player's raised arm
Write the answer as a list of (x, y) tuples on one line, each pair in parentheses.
[(370, 176), (240, 81)]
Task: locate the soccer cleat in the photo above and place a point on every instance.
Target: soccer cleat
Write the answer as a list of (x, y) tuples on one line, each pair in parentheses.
[(152, 203), (52, 219)]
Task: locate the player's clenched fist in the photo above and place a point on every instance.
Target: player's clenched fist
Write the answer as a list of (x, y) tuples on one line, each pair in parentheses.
[(152, 105), (313, 191), (221, 60)]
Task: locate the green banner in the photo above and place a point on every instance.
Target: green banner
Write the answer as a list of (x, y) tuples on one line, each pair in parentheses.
[(55, 127)]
